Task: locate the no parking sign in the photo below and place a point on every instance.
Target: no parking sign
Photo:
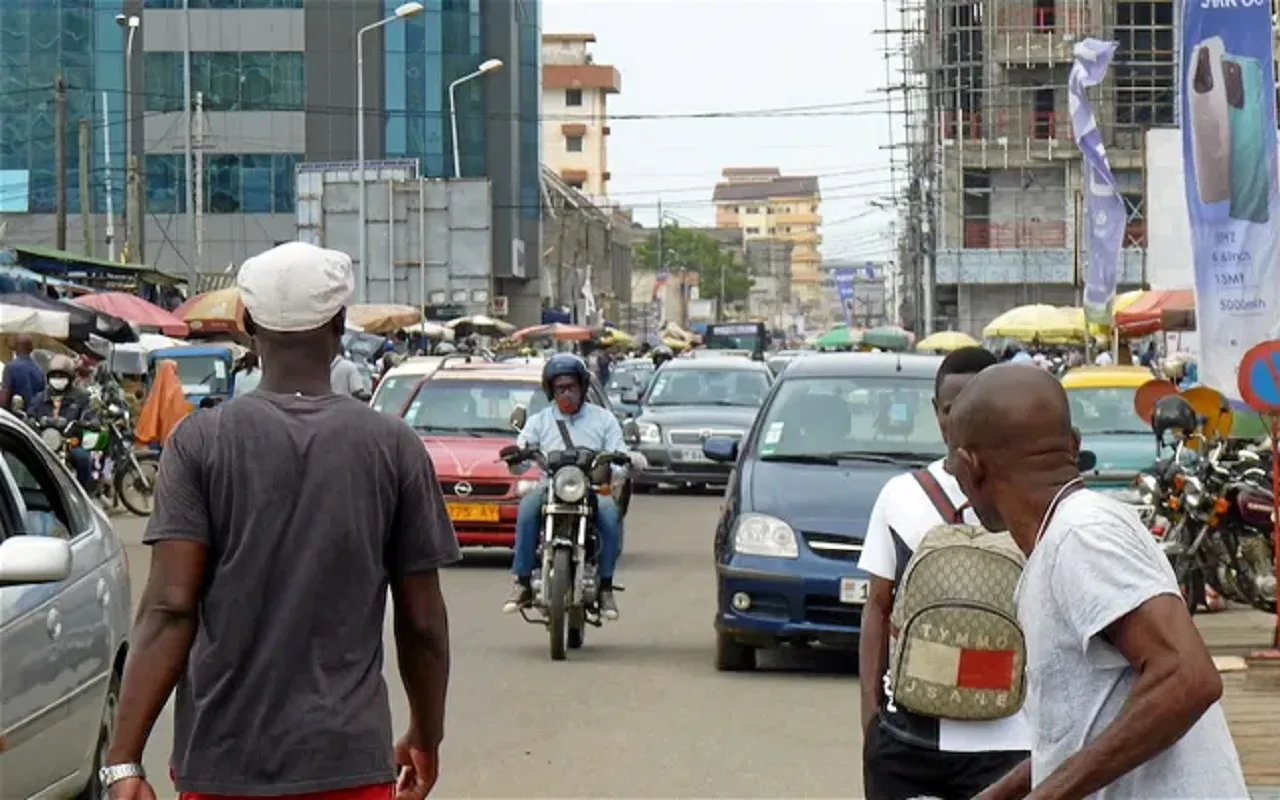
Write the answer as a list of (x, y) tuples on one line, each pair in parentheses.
[(1259, 383)]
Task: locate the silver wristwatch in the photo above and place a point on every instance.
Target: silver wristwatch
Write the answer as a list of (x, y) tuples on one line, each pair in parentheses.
[(107, 776)]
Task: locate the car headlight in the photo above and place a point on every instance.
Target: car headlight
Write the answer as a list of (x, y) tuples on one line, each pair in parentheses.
[(52, 438), (763, 535), (649, 433), (523, 487), (570, 485)]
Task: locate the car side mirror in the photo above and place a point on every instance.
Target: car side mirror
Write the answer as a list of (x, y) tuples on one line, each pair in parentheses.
[(519, 416), (631, 397), (1086, 461), (34, 559), (721, 449), (631, 432)]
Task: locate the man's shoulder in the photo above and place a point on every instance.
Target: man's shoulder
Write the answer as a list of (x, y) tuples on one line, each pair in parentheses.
[(900, 487)]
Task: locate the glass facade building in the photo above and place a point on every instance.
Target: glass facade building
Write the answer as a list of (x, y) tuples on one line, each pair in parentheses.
[(230, 81), (40, 40)]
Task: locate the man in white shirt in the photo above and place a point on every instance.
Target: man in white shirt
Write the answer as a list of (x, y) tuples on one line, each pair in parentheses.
[(908, 755), (1121, 691), (1104, 359)]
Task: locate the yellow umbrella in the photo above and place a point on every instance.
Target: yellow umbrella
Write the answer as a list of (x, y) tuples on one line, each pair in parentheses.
[(946, 341), (1043, 323)]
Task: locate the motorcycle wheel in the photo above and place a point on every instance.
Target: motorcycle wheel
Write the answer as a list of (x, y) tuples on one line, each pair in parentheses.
[(128, 486), (558, 603), (577, 629)]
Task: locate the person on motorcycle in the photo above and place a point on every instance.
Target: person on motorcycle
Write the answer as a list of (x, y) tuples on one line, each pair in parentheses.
[(564, 381), (661, 355), (62, 399)]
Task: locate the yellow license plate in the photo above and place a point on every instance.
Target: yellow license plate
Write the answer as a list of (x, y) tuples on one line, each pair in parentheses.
[(473, 512)]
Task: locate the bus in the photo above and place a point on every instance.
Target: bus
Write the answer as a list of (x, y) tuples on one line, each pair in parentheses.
[(753, 337)]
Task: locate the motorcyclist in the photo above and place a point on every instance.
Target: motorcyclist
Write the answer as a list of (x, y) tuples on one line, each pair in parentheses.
[(62, 399), (564, 381)]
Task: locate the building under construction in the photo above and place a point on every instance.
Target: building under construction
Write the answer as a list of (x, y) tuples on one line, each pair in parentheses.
[(987, 174)]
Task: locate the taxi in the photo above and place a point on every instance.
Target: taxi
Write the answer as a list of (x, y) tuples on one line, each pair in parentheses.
[(465, 412), (1102, 410)]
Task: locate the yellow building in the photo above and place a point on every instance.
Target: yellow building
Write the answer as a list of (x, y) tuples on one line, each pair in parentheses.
[(575, 127), (761, 201)]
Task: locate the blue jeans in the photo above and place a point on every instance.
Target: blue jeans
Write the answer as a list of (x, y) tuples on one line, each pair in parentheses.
[(82, 463), (529, 532)]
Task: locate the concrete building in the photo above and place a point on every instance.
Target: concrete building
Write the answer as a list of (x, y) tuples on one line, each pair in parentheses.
[(575, 97), (993, 175), (278, 84), (762, 202)]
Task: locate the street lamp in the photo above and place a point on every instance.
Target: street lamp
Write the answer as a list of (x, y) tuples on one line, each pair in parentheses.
[(130, 24), (488, 66), (403, 11)]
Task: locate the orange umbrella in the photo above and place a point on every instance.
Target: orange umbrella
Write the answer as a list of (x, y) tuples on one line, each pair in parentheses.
[(383, 318), (556, 330), (1157, 310), (213, 312)]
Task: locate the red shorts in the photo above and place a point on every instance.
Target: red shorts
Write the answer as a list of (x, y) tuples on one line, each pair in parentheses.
[(382, 792)]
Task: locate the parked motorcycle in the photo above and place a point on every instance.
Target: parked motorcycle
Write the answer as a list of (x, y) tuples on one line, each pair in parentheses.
[(566, 586), (127, 474)]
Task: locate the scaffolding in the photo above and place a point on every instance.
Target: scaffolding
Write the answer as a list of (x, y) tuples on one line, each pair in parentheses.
[(982, 145)]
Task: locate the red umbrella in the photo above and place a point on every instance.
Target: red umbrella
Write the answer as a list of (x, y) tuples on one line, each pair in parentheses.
[(1157, 310), (136, 310), (556, 330)]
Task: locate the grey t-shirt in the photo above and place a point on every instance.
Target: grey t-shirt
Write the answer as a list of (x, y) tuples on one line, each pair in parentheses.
[(1095, 564), (345, 377), (308, 505)]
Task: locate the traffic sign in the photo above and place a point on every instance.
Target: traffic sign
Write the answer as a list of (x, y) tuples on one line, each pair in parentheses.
[(1259, 377)]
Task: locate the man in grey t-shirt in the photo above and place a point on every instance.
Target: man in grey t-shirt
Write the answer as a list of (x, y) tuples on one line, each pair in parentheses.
[(1121, 692), (281, 519), (345, 378)]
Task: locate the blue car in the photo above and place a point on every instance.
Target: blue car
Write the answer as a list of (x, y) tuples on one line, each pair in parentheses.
[(834, 429)]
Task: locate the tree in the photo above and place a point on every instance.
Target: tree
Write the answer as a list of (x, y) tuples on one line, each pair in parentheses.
[(699, 252)]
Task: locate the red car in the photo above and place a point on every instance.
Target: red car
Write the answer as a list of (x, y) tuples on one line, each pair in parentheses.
[(463, 413)]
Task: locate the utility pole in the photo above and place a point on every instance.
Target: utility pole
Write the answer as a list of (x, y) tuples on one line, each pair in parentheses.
[(189, 161), (134, 204), (661, 256), (106, 179), (198, 146), (86, 199), (60, 161)]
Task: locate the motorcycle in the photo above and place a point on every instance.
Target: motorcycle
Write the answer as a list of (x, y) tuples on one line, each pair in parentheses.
[(565, 587), (126, 473)]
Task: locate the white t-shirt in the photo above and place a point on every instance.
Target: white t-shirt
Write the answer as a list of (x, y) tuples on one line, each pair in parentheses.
[(1096, 563), (1104, 359), (903, 512)]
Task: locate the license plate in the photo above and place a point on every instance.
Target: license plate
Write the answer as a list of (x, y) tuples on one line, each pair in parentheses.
[(693, 455), (473, 512), (854, 591)]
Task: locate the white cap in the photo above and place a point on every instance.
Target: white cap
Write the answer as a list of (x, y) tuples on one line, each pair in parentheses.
[(295, 286)]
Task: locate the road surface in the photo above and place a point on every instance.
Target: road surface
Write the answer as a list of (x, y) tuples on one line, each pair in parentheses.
[(640, 711)]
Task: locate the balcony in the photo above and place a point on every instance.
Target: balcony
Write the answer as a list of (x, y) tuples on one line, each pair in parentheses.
[(1030, 266), (1019, 235), (811, 238), (1033, 37), (806, 257), (798, 218)]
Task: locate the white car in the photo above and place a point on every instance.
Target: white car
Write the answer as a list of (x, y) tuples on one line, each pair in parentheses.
[(396, 387)]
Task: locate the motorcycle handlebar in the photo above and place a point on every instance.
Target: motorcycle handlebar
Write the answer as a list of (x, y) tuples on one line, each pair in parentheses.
[(512, 455)]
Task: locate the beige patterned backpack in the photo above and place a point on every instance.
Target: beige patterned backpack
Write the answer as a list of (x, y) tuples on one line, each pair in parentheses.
[(956, 650)]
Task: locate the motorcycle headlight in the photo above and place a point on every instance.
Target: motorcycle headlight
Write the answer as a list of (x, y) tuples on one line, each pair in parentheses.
[(649, 433), (52, 438), (523, 487), (570, 485), (1147, 488), (763, 535), (1192, 492)]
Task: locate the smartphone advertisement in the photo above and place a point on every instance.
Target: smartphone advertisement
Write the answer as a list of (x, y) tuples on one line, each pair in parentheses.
[(1229, 150)]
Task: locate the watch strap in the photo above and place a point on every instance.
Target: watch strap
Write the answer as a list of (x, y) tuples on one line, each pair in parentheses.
[(113, 774)]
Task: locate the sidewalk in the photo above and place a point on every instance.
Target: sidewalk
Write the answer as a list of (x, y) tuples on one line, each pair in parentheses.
[(1254, 715)]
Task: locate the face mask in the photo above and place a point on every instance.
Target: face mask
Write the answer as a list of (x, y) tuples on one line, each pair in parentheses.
[(568, 402), (58, 384)]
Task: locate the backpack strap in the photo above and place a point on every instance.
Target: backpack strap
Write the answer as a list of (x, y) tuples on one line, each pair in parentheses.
[(937, 495), (565, 438)]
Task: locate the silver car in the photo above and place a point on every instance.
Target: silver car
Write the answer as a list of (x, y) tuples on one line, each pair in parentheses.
[(64, 620)]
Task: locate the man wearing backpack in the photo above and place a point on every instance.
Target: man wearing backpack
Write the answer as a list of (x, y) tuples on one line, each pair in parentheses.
[(971, 679)]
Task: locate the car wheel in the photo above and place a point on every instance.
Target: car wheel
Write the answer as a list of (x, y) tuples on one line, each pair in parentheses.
[(93, 790), (733, 656)]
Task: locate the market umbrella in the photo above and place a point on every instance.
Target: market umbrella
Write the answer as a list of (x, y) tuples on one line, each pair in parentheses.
[(887, 337), (83, 321), (837, 338), (1043, 323), (1157, 310), (431, 330), (383, 317), (219, 311), (136, 310), (616, 337), (556, 330), (946, 342), (480, 323)]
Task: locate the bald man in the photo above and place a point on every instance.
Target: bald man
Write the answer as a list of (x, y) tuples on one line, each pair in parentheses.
[(22, 376), (1121, 691)]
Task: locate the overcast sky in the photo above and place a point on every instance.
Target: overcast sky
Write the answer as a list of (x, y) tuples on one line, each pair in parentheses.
[(694, 56)]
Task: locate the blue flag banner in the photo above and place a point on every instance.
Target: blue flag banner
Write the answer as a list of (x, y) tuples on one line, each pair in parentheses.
[(1228, 113), (844, 290), (1104, 211)]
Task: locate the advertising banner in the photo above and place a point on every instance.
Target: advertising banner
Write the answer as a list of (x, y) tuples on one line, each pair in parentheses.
[(1228, 115), (844, 290), (1104, 208)]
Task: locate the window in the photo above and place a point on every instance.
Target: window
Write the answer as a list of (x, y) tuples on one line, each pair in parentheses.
[(709, 387), (476, 406), (752, 231), (1144, 68), (575, 185), (573, 97), (753, 210), (224, 4), (573, 144), (46, 511), (230, 81), (772, 231), (1100, 412), (251, 183)]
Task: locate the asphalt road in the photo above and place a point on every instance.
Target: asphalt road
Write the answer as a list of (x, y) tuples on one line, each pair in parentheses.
[(638, 712)]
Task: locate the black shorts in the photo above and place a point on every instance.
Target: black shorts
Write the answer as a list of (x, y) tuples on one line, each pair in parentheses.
[(895, 770)]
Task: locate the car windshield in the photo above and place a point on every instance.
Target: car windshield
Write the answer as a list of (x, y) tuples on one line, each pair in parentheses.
[(202, 374), (393, 393), (708, 387), (629, 380), (1103, 411), (472, 407), (850, 416)]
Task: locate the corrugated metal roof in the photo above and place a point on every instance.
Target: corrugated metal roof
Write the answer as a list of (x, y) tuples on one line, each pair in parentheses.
[(793, 186)]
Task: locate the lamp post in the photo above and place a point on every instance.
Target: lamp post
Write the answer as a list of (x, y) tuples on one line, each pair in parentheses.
[(130, 25), (486, 67), (402, 12)]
